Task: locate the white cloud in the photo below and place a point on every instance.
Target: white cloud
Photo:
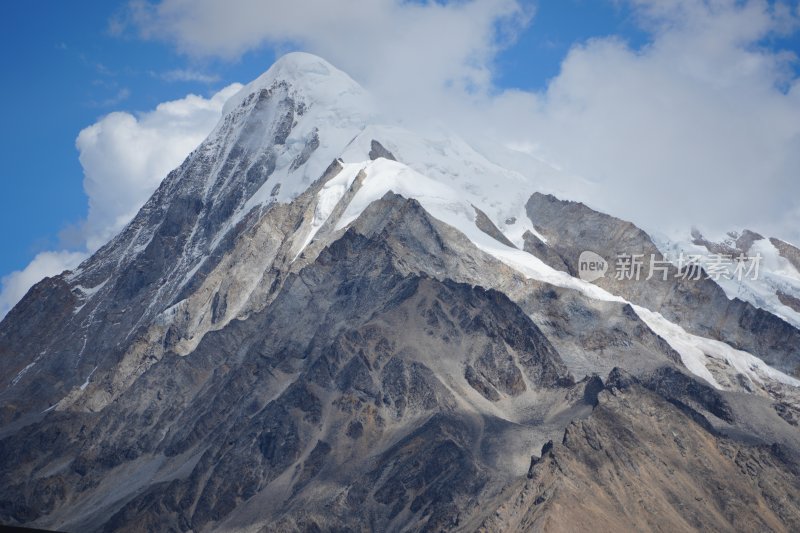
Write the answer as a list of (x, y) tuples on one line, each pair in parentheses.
[(402, 50), (188, 75), (701, 126), (15, 285), (124, 158)]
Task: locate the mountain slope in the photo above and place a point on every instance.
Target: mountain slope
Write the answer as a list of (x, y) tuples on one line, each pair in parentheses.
[(645, 464), (321, 321)]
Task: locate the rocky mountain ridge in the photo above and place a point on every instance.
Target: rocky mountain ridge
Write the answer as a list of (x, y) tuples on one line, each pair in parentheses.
[(321, 322)]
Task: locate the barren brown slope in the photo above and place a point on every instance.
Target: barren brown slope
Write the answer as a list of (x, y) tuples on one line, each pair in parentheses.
[(642, 463)]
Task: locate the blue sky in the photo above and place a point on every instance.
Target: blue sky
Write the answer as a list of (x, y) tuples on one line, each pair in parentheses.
[(67, 69), (69, 64)]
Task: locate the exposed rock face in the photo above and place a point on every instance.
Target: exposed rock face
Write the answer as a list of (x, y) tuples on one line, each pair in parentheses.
[(789, 300), (177, 237), (734, 246), (377, 150), (647, 465), (486, 225), (592, 336), (699, 305), (535, 246), (262, 349), (791, 253), (359, 343)]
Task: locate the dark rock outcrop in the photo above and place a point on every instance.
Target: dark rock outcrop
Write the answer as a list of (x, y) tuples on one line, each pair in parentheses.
[(377, 150)]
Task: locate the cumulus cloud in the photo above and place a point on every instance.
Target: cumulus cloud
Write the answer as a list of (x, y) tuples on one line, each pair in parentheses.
[(700, 126), (402, 50), (124, 158), (15, 285)]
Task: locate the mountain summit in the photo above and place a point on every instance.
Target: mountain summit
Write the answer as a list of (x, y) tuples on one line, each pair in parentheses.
[(323, 321)]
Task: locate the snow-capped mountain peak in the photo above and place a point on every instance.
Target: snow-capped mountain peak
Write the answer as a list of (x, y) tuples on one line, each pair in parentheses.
[(319, 309), (318, 81)]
